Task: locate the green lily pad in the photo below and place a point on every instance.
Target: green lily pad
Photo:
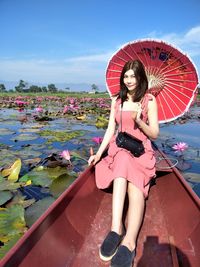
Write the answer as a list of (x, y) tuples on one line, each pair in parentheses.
[(5, 196), (10, 122), (101, 122), (25, 137), (43, 176), (8, 245), (36, 147), (6, 153), (4, 146), (29, 130), (20, 200), (27, 152), (6, 185), (60, 136), (12, 222), (33, 212), (6, 131), (76, 155), (59, 185)]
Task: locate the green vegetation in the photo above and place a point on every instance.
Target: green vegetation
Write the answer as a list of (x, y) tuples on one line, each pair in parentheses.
[(58, 94), (26, 89), (60, 136)]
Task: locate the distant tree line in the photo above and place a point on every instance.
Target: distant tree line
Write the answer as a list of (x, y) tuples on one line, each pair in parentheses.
[(2, 88), (23, 87)]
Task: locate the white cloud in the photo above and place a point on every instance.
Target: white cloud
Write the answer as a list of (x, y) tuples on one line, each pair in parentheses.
[(45, 71), (193, 35), (188, 42), (88, 68), (91, 58)]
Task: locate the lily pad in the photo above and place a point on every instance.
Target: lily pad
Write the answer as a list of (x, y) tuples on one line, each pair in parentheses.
[(43, 176), (8, 245), (193, 177), (33, 212), (33, 161), (59, 185), (8, 185), (25, 137), (101, 122), (13, 171), (6, 131), (6, 153), (27, 152), (36, 147), (12, 222), (5, 196), (20, 200), (29, 130), (60, 136)]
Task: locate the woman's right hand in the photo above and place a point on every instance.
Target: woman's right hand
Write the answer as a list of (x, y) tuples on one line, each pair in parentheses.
[(94, 159)]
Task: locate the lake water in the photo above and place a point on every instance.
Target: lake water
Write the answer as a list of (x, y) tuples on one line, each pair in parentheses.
[(11, 128)]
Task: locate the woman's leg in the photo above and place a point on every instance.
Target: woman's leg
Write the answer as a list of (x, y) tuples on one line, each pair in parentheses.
[(114, 237), (119, 193), (135, 216)]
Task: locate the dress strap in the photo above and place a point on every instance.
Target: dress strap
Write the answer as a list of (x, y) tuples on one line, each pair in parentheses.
[(145, 102)]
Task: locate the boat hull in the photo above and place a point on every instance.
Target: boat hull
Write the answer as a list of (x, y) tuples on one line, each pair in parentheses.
[(70, 232)]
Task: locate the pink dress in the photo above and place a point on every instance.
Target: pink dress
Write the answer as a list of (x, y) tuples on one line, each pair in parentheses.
[(120, 162)]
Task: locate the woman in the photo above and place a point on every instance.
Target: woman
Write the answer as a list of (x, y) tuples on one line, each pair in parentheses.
[(138, 111)]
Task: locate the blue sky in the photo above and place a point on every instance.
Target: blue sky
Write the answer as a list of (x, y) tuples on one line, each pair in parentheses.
[(72, 41)]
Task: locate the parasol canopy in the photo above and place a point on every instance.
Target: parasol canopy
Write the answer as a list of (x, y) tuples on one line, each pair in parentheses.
[(171, 75)]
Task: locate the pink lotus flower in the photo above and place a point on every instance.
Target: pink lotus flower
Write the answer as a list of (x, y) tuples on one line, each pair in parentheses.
[(65, 154), (39, 109), (97, 140), (20, 103), (65, 109), (180, 147), (72, 101)]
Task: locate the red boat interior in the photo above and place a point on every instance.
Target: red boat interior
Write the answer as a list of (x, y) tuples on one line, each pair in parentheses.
[(73, 228)]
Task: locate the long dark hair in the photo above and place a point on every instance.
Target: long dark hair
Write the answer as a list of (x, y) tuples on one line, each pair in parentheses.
[(142, 81)]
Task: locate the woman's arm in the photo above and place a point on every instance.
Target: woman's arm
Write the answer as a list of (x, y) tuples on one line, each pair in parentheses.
[(152, 128), (107, 136)]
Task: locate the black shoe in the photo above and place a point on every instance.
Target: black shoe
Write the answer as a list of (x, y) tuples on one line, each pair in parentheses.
[(123, 258), (109, 245)]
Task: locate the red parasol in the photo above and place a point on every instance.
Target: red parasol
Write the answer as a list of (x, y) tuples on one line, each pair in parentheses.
[(171, 74)]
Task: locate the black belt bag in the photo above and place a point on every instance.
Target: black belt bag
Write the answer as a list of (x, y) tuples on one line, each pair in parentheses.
[(129, 142)]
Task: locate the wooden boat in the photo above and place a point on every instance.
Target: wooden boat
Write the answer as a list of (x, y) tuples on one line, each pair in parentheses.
[(70, 232)]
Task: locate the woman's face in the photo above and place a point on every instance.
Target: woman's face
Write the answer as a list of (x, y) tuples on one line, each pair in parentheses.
[(130, 80)]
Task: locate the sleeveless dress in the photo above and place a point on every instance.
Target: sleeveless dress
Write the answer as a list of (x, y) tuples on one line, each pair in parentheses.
[(120, 162)]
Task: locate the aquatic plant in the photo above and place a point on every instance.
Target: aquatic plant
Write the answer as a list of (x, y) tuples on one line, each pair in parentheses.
[(97, 140), (13, 171), (66, 155), (180, 147)]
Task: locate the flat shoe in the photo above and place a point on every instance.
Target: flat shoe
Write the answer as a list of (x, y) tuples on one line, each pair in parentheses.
[(109, 245), (123, 258)]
